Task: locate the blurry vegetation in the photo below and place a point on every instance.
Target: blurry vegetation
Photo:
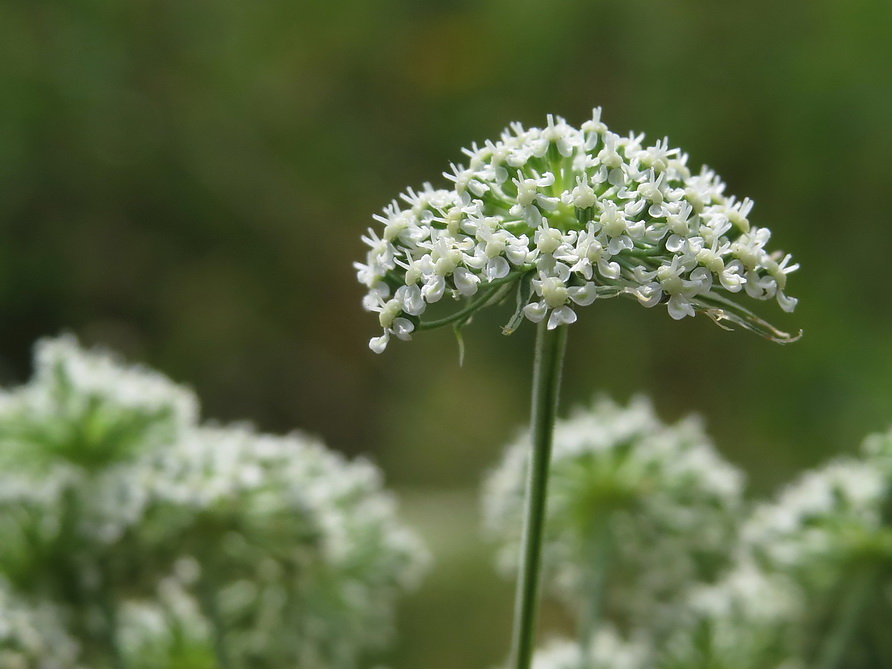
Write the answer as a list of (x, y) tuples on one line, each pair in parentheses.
[(187, 183)]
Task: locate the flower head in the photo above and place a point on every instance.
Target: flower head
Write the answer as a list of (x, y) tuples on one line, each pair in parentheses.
[(829, 521), (566, 216), (744, 620), (305, 547), (651, 505), (33, 635), (108, 484)]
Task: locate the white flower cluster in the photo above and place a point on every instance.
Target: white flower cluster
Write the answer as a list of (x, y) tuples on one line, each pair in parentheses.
[(71, 443), (167, 630), (826, 517), (801, 558), (110, 485), (608, 650), (33, 637), (569, 216), (89, 410), (302, 541), (651, 506), (741, 622)]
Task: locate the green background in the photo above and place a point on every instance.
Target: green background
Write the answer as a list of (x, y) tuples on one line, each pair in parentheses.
[(186, 181)]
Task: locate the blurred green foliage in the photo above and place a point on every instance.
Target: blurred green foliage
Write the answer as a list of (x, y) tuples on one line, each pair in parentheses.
[(187, 183)]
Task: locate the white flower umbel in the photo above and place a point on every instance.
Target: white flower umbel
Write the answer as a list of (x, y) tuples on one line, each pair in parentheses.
[(282, 552), (826, 518), (562, 217), (167, 630), (33, 636), (301, 554), (71, 441), (565, 216), (637, 511), (746, 620), (830, 532), (89, 410)]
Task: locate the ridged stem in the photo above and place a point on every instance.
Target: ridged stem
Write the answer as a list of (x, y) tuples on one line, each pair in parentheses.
[(109, 609), (208, 594), (547, 366), (854, 602), (598, 554)]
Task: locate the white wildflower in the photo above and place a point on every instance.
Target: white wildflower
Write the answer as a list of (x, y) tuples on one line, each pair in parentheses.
[(110, 488), (745, 620), (33, 636), (827, 516), (629, 219), (652, 505), (295, 524)]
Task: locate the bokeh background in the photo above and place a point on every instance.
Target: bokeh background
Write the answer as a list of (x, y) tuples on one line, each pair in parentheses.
[(186, 181)]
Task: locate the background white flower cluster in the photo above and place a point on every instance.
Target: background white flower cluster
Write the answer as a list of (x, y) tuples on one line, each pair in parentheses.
[(689, 576), (653, 507), (142, 528), (570, 215)]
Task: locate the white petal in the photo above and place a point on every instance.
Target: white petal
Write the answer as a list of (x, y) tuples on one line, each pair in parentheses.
[(649, 295), (434, 290), (583, 295), (731, 281), (413, 301), (465, 281), (560, 316), (497, 268), (753, 289), (535, 311), (402, 328), (702, 278), (675, 243), (634, 207), (609, 270), (679, 307), (378, 344), (786, 303), (517, 254)]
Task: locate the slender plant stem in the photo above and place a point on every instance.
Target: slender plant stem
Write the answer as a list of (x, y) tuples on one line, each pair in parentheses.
[(110, 615), (547, 366), (598, 552), (211, 608), (855, 600)]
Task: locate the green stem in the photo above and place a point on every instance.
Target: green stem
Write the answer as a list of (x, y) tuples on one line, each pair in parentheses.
[(109, 610), (855, 601), (208, 594), (547, 366), (597, 561)]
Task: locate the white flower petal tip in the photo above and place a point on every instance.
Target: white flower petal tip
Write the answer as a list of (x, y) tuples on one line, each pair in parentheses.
[(378, 344), (561, 316)]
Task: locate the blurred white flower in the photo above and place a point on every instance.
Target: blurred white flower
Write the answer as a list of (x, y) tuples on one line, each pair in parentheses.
[(113, 497), (829, 517), (33, 636), (651, 507), (745, 620), (608, 650), (304, 547), (810, 580)]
